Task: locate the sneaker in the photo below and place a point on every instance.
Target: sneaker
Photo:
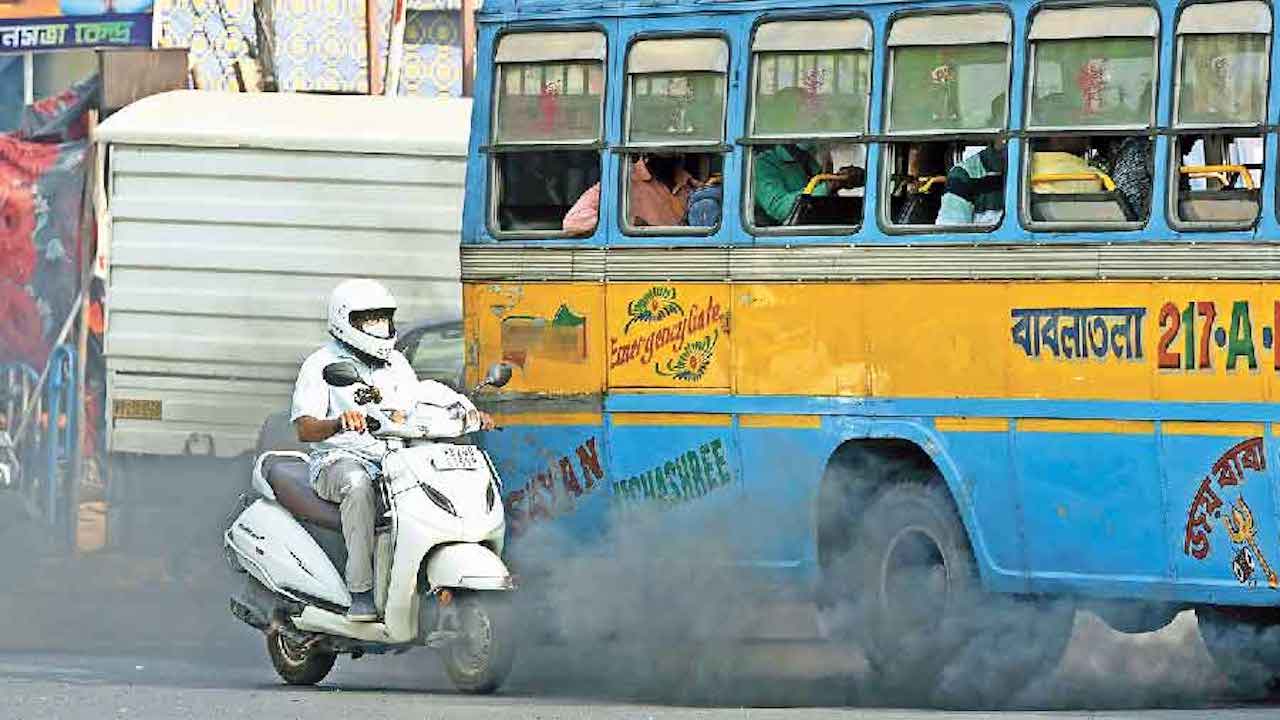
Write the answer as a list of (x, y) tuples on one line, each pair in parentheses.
[(362, 608)]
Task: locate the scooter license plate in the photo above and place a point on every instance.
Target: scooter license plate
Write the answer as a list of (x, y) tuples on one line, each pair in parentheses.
[(456, 457)]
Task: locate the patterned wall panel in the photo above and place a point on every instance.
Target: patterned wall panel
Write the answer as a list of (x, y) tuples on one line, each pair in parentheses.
[(432, 53), (321, 45), (217, 33)]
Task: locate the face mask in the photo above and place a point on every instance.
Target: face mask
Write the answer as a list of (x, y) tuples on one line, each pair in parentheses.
[(379, 328)]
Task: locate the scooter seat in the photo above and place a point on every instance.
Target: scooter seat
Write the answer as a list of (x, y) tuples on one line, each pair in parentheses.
[(290, 479)]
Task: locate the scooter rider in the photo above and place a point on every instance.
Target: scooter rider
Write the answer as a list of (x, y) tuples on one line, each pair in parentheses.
[(344, 458)]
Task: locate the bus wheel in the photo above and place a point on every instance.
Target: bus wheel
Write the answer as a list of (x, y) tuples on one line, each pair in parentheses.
[(1245, 645), (930, 630)]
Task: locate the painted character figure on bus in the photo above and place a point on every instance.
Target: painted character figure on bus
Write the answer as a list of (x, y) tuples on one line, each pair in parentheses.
[(345, 458)]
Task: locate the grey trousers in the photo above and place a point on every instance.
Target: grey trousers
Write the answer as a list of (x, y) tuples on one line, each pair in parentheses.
[(348, 483)]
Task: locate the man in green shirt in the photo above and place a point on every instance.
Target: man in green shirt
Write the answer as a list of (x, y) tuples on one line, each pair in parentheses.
[(781, 174)]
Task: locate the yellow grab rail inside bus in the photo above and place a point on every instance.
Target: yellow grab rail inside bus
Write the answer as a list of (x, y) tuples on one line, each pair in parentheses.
[(926, 184), (1220, 172), (1107, 182)]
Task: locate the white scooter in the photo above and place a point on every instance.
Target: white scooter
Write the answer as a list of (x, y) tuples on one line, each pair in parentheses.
[(439, 579)]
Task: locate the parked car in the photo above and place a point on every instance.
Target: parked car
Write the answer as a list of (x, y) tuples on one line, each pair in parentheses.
[(434, 350)]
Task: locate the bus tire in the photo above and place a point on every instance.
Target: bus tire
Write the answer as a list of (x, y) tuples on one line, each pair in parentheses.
[(930, 632), (1245, 645)]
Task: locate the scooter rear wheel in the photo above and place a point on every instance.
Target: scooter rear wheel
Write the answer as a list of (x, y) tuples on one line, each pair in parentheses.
[(295, 664), (479, 661)]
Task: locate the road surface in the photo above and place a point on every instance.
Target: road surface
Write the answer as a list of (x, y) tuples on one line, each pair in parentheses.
[(1104, 677)]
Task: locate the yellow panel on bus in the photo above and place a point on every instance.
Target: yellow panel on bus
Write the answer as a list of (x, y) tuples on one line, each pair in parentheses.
[(550, 333), (1206, 341), (1052, 340)]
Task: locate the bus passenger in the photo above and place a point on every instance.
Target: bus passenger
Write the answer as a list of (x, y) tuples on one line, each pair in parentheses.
[(781, 174), (1129, 165), (705, 204), (782, 171), (975, 189), (974, 193), (660, 188)]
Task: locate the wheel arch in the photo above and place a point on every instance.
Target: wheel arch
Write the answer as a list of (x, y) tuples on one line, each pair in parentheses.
[(868, 447)]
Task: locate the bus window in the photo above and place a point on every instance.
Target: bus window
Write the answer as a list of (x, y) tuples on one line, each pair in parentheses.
[(949, 76), (674, 134), (548, 112), (1089, 113), (811, 87), (1220, 106)]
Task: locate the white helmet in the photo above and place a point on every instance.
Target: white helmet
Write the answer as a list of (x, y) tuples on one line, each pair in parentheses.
[(357, 297)]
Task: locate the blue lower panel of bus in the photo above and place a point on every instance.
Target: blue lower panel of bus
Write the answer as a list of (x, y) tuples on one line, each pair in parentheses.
[(1157, 513), (1091, 506), (554, 476), (987, 482), (782, 470)]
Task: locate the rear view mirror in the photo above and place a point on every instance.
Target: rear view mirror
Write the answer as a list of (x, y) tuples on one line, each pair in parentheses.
[(341, 374), (499, 375)]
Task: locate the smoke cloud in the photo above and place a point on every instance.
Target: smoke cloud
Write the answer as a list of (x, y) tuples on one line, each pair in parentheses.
[(654, 611)]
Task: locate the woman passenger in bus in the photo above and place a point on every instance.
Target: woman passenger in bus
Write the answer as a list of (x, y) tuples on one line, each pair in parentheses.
[(660, 189)]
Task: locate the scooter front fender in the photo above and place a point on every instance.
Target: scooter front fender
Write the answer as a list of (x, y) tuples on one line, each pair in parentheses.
[(469, 566)]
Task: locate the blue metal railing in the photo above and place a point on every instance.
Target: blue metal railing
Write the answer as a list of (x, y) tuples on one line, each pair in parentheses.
[(55, 442), (61, 440)]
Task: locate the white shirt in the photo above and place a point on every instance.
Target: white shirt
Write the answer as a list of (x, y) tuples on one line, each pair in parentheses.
[(313, 397)]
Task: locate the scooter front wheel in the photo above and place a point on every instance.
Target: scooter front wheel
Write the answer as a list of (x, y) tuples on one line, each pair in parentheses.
[(295, 663), (480, 659)]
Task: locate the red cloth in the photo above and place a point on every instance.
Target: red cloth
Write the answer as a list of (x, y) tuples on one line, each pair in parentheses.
[(21, 337), (17, 223), (21, 331), (21, 163)]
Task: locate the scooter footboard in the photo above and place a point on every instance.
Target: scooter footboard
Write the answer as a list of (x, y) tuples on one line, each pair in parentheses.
[(469, 566)]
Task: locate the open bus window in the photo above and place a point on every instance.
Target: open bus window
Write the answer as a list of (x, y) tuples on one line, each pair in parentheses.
[(811, 84), (949, 76), (674, 126), (1218, 179), (547, 128), (1222, 89), (535, 190), (673, 190), (1090, 111)]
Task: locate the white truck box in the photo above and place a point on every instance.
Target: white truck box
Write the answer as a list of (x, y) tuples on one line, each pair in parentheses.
[(230, 217)]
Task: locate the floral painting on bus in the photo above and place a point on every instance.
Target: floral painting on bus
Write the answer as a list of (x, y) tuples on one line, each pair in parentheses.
[(669, 336)]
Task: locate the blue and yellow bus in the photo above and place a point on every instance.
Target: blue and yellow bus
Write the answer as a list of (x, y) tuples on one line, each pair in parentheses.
[(977, 301)]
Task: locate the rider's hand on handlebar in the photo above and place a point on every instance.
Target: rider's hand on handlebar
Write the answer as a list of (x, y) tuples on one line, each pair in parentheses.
[(486, 420), (352, 421)]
